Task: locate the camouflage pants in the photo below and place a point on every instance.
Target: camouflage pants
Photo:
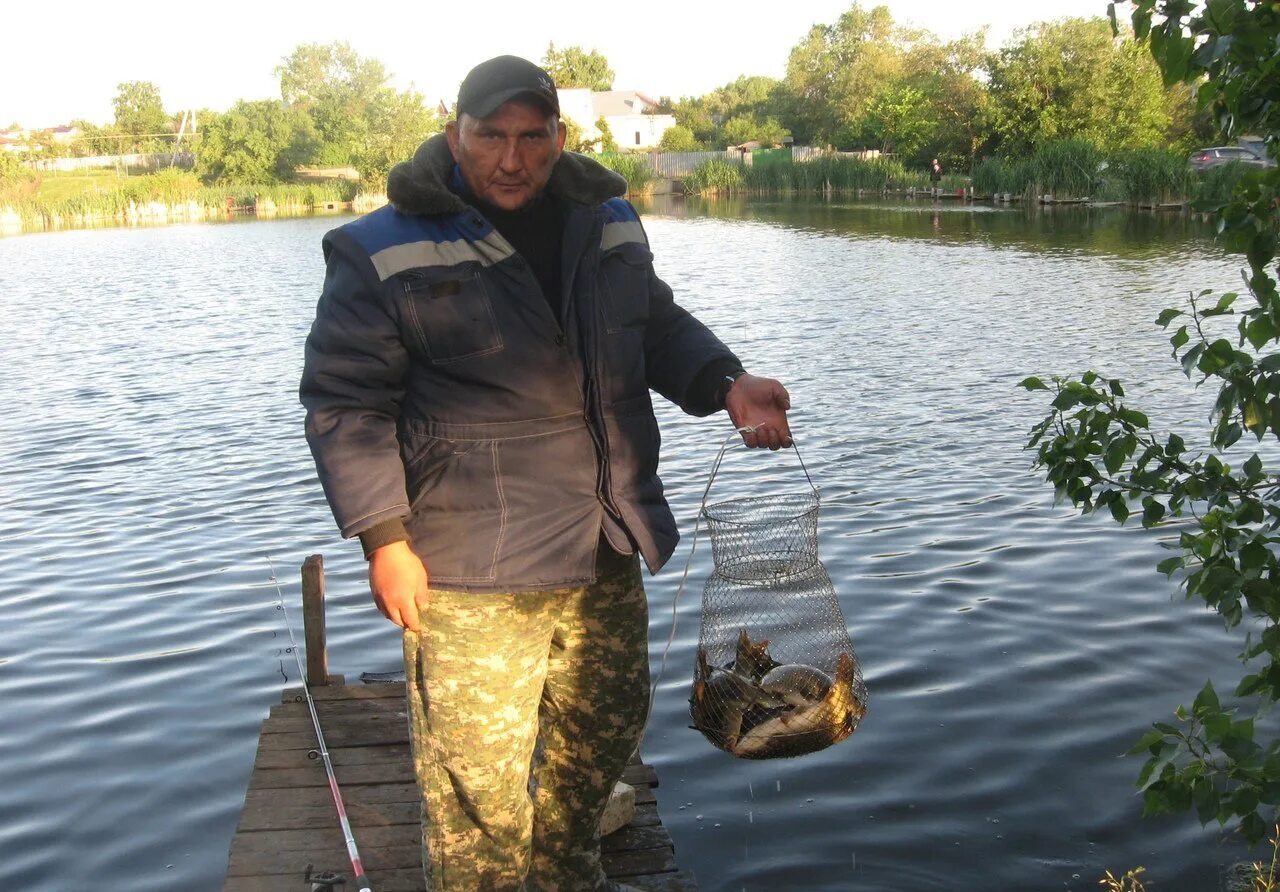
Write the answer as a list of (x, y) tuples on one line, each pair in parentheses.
[(491, 679)]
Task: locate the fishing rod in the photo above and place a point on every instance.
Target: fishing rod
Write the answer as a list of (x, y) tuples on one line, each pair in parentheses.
[(352, 852)]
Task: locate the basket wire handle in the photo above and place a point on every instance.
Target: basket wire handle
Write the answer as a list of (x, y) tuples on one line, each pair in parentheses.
[(697, 525), (715, 468)]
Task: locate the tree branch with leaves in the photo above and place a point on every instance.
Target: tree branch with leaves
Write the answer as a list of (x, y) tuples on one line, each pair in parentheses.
[(1101, 453)]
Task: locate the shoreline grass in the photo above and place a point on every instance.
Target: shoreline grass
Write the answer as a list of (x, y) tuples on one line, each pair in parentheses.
[(165, 196)]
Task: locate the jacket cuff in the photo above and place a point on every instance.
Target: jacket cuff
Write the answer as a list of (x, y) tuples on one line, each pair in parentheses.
[(703, 396), (383, 534)]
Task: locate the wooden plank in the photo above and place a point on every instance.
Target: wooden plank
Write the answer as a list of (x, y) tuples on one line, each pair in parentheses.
[(316, 838), (402, 880), (347, 692), (340, 756), (351, 775), (338, 709), (313, 627), (632, 838), (263, 815), (410, 880), (357, 734), (333, 857), (680, 881), (363, 794), (625, 864)]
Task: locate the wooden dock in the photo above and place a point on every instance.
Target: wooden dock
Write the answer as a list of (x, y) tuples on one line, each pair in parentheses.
[(289, 824)]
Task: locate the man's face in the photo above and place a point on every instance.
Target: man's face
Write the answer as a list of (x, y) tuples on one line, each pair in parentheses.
[(506, 158)]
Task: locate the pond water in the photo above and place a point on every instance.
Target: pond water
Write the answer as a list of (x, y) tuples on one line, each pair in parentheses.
[(152, 458)]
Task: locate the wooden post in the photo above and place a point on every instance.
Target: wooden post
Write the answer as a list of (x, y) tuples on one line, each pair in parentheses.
[(313, 630)]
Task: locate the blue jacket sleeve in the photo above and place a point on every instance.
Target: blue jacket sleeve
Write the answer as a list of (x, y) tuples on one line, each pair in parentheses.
[(678, 348), (352, 388)]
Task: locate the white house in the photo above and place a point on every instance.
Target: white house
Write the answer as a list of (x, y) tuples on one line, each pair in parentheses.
[(622, 110)]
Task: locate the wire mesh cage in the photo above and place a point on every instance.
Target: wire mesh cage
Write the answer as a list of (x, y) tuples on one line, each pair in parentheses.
[(775, 672)]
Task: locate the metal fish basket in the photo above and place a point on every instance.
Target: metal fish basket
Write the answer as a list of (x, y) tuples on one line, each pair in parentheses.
[(775, 674)]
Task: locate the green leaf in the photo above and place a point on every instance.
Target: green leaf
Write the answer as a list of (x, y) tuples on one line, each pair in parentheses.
[(1033, 383), (1179, 338), (1270, 363), (1206, 700), (1146, 742), (1253, 467), (1190, 358), (1134, 417), (1167, 316), (1116, 389), (1253, 828), (1259, 331), (1065, 400), (1169, 566), (1115, 457), (1088, 378), (1152, 512), (1119, 510)]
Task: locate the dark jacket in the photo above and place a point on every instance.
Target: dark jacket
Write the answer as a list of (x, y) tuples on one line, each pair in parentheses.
[(439, 386)]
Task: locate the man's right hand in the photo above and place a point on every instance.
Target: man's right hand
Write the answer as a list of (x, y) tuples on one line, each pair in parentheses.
[(398, 581)]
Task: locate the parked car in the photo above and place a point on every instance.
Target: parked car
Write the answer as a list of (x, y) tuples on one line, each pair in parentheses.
[(1202, 159)]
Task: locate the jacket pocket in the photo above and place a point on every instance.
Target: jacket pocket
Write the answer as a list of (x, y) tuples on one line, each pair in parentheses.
[(458, 514), (451, 314), (624, 282)]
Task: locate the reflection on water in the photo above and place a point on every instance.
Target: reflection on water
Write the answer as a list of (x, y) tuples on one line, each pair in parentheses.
[(151, 457)]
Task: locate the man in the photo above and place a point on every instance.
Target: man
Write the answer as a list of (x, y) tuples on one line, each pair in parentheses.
[(477, 389)]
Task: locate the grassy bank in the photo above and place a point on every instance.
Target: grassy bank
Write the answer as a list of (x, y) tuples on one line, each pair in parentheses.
[(103, 197), (1071, 169), (834, 173)]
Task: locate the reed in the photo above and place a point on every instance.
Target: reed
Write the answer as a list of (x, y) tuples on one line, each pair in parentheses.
[(634, 168), (838, 173), (994, 176), (1152, 176), (1215, 185), (169, 194), (716, 175), (1067, 168)]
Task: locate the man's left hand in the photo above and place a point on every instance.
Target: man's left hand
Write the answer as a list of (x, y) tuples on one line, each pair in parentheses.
[(760, 403)]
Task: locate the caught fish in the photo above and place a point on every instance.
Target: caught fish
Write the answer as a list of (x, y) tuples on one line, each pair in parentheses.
[(796, 730), (796, 684), (752, 657), (721, 698)]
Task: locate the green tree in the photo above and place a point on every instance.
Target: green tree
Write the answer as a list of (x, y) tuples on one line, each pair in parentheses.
[(836, 69), (747, 128), (574, 67), (342, 93), (1102, 454), (1072, 79), (679, 138), (98, 140), (255, 143), (398, 122), (140, 115), (607, 142)]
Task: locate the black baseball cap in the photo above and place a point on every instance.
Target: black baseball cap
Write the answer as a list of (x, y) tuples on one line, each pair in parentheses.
[(492, 83)]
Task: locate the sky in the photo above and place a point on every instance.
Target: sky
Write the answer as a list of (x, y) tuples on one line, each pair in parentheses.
[(63, 62)]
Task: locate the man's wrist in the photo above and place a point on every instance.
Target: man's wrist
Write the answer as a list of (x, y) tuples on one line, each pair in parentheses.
[(385, 533), (726, 384)]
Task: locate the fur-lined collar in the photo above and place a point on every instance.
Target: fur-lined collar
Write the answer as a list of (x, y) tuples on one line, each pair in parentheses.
[(418, 186)]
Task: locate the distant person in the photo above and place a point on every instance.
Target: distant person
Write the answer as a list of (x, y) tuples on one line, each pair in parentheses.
[(477, 385), (935, 173)]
